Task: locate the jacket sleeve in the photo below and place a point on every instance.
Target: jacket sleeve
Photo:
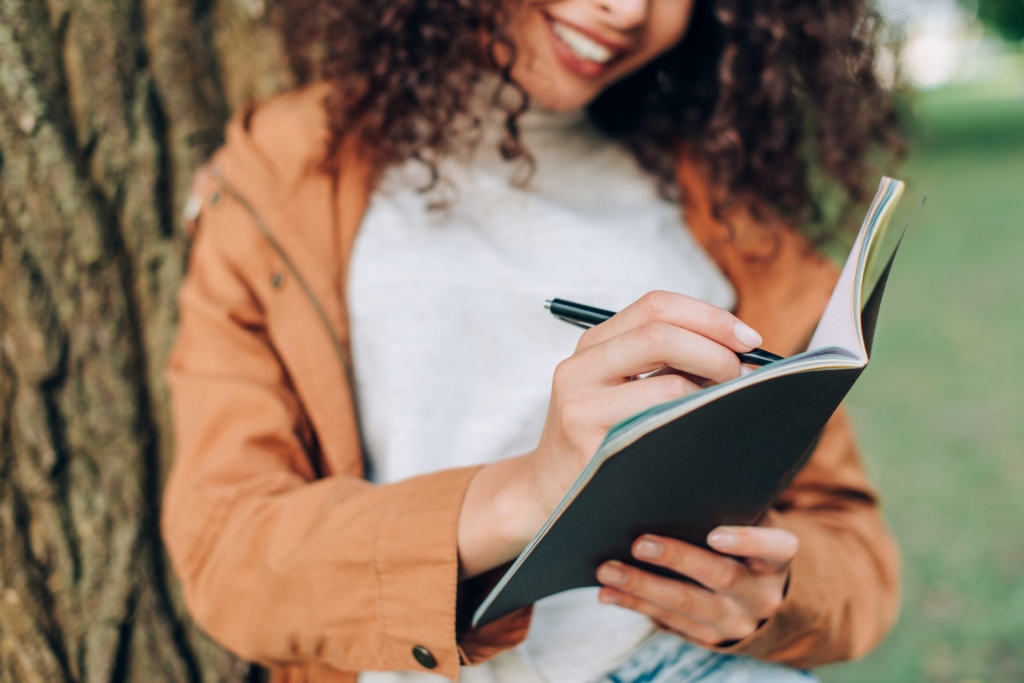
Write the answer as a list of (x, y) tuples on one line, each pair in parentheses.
[(280, 564), (843, 592)]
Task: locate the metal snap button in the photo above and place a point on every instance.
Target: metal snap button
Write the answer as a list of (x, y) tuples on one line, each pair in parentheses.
[(424, 657)]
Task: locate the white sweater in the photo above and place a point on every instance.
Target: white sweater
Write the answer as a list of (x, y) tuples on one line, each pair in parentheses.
[(453, 349)]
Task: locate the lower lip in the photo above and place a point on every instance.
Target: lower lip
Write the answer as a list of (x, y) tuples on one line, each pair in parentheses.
[(584, 68)]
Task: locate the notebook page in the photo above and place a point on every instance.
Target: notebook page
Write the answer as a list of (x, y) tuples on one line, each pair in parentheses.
[(840, 323)]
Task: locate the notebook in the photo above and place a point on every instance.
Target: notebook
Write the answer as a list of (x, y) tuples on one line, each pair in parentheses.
[(718, 456)]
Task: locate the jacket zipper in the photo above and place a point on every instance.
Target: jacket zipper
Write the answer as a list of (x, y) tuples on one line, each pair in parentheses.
[(264, 229)]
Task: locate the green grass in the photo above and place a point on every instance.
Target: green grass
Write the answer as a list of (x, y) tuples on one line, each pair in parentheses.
[(940, 411)]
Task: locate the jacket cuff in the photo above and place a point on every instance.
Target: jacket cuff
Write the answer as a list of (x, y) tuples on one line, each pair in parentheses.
[(784, 636), (417, 569)]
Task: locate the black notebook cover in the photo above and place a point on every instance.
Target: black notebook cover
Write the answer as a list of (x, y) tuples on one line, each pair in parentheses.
[(681, 481)]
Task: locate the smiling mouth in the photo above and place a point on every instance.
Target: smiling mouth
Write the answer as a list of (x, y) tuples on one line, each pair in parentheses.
[(582, 46)]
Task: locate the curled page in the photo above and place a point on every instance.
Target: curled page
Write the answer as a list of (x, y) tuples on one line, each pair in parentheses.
[(840, 324)]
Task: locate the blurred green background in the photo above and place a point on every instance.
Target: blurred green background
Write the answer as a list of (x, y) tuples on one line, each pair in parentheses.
[(940, 411)]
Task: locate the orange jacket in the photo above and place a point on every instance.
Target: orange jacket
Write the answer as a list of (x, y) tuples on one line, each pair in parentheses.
[(289, 557)]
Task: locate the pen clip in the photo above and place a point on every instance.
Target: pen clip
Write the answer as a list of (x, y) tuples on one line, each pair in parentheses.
[(577, 323)]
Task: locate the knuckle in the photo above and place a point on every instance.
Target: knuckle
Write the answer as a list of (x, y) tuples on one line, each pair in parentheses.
[(683, 603), (733, 629), (742, 627), (655, 334), (675, 386), (655, 304), (728, 576), (722, 320), (563, 372), (587, 339)]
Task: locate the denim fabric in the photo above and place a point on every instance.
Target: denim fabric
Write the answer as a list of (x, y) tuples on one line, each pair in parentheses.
[(664, 658)]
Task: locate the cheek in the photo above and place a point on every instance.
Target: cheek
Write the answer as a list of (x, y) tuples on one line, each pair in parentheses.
[(526, 24), (668, 23)]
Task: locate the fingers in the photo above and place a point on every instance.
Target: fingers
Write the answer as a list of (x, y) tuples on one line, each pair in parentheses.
[(596, 411), (692, 630), (680, 311), (612, 405), (699, 381), (732, 599), (672, 594), (772, 547), (720, 574), (654, 345), (683, 607)]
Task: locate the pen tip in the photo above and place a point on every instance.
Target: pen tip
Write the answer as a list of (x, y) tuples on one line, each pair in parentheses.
[(547, 304)]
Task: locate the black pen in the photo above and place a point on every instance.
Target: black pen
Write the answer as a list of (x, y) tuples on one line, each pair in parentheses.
[(586, 317)]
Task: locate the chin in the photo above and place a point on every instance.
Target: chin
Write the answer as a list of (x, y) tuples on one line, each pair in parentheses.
[(561, 101), (560, 94)]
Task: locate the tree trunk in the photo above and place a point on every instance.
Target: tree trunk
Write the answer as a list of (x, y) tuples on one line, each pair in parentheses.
[(106, 108)]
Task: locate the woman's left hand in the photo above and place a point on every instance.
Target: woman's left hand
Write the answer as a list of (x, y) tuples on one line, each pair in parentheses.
[(736, 594)]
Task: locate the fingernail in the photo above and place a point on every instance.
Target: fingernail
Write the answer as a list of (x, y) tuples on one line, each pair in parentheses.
[(722, 539), (608, 597), (744, 370), (746, 335), (648, 550), (609, 573)]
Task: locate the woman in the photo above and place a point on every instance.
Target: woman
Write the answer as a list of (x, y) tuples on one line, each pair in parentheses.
[(379, 245)]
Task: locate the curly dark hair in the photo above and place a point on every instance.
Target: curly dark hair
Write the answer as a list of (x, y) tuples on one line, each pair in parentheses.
[(779, 100)]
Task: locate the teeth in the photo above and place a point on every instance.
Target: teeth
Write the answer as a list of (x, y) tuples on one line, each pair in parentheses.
[(583, 46)]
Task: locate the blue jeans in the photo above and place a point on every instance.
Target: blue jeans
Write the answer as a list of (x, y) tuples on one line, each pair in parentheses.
[(664, 658)]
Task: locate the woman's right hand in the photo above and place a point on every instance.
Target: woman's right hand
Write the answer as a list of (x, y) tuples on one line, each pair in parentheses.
[(593, 390), (507, 501)]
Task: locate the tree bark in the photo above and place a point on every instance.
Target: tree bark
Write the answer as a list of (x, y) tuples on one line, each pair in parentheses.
[(106, 108)]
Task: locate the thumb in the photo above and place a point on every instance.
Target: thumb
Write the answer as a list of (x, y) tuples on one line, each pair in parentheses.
[(768, 549)]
